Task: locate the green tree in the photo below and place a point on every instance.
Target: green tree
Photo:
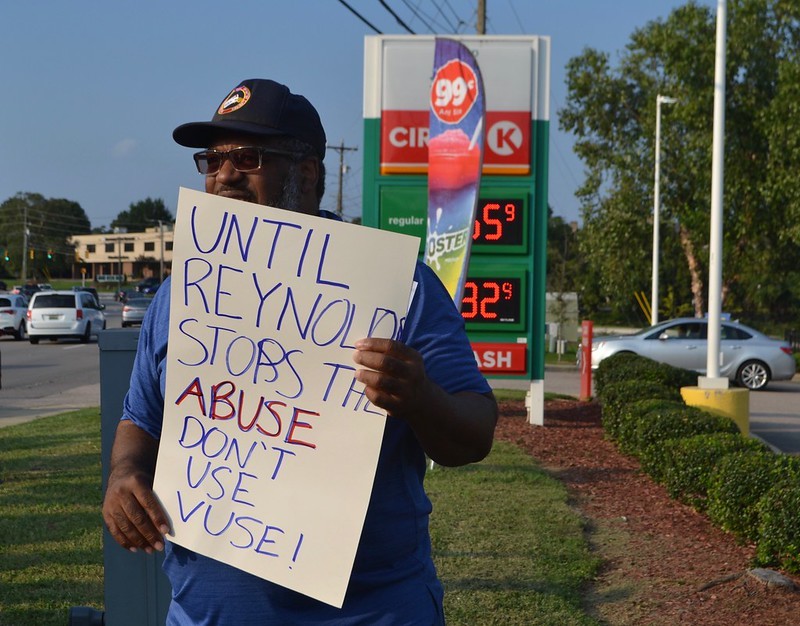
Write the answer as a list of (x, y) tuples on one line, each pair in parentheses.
[(563, 260), (50, 223), (142, 215), (611, 110)]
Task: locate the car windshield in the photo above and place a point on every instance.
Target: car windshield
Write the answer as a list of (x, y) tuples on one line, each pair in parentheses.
[(54, 301)]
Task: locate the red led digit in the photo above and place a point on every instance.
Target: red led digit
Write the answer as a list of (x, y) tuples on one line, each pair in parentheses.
[(492, 221), (476, 232), (469, 302), (511, 212), (490, 299), (508, 291)]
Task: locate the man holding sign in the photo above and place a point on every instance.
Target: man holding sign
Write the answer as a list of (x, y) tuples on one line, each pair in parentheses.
[(265, 146)]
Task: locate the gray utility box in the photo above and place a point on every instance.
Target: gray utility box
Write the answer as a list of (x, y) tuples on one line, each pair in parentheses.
[(137, 592)]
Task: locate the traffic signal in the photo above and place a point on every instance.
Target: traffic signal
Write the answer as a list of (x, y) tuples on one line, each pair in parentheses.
[(5, 254), (49, 254), (31, 253)]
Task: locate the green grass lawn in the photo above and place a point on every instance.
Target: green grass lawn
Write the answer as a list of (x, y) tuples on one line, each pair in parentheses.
[(50, 534), (507, 546)]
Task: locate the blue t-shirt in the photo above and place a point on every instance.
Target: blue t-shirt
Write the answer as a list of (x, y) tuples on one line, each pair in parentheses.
[(393, 580)]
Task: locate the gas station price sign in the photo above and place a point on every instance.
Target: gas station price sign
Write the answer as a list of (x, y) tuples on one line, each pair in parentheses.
[(501, 222), (495, 298), (503, 302), (502, 217)]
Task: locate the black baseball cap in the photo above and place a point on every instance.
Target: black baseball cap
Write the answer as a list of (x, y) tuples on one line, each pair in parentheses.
[(261, 108)]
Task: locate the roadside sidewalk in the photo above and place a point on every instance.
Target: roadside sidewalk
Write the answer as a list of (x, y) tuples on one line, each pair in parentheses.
[(18, 410)]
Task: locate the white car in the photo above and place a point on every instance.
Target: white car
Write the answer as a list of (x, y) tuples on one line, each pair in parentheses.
[(13, 313), (747, 357), (54, 314)]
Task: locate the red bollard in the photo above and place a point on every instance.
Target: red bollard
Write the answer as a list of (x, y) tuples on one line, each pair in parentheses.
[(586, 360)]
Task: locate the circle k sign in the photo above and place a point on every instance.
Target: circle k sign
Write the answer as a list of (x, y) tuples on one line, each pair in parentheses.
[(454, 91), (504, 138)]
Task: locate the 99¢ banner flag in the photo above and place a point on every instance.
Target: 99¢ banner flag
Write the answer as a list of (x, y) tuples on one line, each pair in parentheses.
[(455, 158)]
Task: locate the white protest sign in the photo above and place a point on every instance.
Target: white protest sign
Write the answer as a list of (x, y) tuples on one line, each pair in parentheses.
[(269, 446)]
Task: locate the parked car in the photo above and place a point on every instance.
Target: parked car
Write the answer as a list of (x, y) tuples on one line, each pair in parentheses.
[(748, 358), (13, 315), (90, 290), (54, 314), (135, 307), (28, 290), (148, 285)]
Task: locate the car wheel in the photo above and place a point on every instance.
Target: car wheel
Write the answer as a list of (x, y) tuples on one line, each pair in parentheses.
[(20, 334), (124, 324), (87, 333), (33, 340), (753, 374)]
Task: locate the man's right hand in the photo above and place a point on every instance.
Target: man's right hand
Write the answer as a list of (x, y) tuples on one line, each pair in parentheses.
[(132, 512)]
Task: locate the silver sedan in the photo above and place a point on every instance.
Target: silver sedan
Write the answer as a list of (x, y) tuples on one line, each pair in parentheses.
[(747, 357), (135, 307)]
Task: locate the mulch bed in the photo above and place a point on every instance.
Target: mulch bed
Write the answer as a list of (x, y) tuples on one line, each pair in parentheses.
[(659, 555)]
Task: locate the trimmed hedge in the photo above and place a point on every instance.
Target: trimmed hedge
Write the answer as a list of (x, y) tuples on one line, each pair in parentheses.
[(685, 465), (661, 423), (779, 527), (702, 458), (627, 366), (623, 403), (621, 427), (736, 486)]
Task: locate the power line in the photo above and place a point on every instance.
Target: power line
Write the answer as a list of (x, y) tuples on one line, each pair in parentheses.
[(415, 10), (455, 15), (516, 15), (359, 16), (396, 16)]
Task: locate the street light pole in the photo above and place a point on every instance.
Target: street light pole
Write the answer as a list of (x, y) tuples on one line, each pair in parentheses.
[(657, 209), (712, 379)]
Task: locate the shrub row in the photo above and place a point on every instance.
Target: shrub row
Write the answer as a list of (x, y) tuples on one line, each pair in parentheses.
[(626, 366), (701, 458)]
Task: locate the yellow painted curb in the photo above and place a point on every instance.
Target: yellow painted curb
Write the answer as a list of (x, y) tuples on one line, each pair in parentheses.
[(732, 403)]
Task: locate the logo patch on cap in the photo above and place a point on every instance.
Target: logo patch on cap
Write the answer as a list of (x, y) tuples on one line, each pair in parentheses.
[(235, 100)]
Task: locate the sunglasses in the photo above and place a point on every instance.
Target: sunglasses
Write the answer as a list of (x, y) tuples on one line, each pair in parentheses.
[(243, 159)]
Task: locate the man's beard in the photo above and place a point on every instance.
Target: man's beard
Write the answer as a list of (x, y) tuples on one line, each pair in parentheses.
[(291, 194)]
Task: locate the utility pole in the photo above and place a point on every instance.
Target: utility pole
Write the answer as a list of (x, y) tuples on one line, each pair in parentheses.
[(24, 245), (480, 27), (341, 148), (161, 237)]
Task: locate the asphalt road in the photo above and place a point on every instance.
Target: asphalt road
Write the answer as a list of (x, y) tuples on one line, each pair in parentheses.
[(53, 377)]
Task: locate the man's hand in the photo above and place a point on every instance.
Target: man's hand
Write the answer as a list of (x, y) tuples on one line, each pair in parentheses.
[(131, 511), (396, 379), (453, 429)]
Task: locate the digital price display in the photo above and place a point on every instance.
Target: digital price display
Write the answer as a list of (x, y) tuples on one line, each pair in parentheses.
[(502, 217), (499, 222), (495, 300)]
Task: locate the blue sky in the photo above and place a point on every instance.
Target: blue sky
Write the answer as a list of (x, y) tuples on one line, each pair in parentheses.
[(93, 89)]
